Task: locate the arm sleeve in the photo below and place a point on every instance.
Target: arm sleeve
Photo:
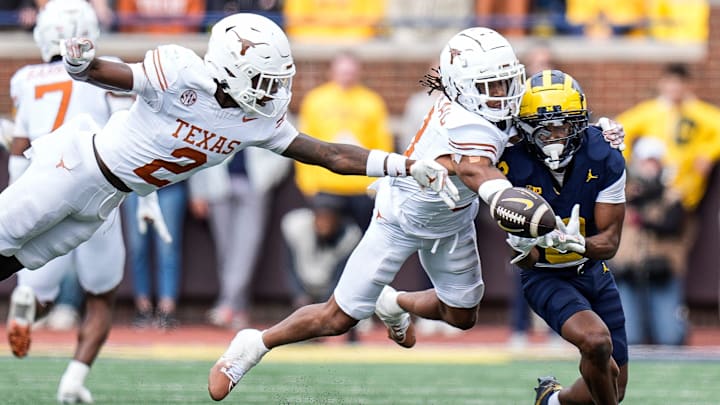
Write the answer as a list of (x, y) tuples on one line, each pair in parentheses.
[(477, 140), (158, 71), (614, 193)]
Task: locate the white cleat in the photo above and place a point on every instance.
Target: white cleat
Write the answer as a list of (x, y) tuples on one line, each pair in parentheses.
[(20, 320), (244, 352), (399, 325)]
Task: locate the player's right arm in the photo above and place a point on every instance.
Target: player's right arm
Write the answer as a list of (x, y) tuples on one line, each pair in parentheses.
[(476, 148), (478, 173)]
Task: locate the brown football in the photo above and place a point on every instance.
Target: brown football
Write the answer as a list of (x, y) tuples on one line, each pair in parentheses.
[(522, 212)]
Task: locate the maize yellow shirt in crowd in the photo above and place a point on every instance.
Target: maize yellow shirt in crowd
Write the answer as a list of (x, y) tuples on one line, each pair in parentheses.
[(688, 133), (679, 20), (665, 20), (356, 116), (616, 12), (333, 20)]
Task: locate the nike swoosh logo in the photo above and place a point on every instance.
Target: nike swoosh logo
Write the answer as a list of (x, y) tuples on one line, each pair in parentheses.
[(506, 229), (246, 119), (528, 203)]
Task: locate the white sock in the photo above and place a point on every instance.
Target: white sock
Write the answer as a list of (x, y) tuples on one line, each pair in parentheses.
[(554, 398), (76, 371), (392, 296), (261, 344)]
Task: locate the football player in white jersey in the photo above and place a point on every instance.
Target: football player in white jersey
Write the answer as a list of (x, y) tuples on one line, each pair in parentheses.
[(189, 114), (467, 129), (45, 96)]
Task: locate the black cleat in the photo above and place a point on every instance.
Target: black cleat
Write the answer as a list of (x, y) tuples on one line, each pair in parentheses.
[(546, 387)]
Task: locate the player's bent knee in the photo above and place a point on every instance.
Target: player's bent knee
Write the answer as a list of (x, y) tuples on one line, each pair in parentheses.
[(336, 321), (464, 319), (597, 346)]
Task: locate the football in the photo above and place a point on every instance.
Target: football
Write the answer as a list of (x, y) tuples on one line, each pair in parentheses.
[(522, 212)]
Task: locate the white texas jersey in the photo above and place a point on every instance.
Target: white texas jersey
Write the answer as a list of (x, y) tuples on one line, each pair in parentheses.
[(448, 129), (176, 126), (44, 96)]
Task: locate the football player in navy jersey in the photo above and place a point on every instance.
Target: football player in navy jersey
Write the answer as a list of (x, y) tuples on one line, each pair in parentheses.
[(565, 277)]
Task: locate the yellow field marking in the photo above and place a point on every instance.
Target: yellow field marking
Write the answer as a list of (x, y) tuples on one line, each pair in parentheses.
[(320, 353)]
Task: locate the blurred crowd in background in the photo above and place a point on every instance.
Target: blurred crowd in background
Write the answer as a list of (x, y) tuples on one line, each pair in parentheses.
[(401, 20), (233, 198)]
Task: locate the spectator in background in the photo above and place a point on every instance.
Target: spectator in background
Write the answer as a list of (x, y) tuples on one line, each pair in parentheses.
[(333, 20), (679, 21), (235, 198), (102, 9), (539, 57), (605, 18), (509, 17), (650, 264), (345, 111), (168, 258), (319, 242), (18, 14), (688, 127), (215, 10), (415, 21), (160, 17)]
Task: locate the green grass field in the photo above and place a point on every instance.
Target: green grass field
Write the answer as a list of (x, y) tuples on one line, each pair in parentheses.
[(113, 381)]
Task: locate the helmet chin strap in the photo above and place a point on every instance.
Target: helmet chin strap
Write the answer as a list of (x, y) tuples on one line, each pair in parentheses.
[(553, 151)]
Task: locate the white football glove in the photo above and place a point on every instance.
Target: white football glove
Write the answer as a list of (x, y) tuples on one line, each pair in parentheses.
[(613, 132), (521, 245), (566, 237), (433, 175), (149, 211), (77, 54)]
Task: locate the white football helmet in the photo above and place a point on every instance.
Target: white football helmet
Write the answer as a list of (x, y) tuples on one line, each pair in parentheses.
[(250, 57), (471, 62), (64, 19)]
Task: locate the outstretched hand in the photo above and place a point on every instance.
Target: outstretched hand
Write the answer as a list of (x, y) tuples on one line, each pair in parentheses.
[(613, 132), (431, 174), (566, 237), (77, 53), (521, 245), (149, 211)]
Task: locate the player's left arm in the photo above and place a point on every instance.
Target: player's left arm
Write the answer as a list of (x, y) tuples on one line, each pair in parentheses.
[(81, 64), (608, 219)]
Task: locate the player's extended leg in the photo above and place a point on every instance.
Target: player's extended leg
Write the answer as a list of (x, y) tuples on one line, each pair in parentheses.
[(372, 265), (92, 334), (453, 266), (426, 304), (250, 345), (599, 382)]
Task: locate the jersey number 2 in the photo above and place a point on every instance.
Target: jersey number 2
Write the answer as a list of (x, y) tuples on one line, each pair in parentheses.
[(146, 172)]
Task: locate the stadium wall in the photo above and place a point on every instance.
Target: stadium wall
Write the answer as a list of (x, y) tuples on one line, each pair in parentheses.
[(615, 75)]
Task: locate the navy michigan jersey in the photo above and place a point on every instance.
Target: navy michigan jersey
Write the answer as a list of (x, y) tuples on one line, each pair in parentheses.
[(595, 167)]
